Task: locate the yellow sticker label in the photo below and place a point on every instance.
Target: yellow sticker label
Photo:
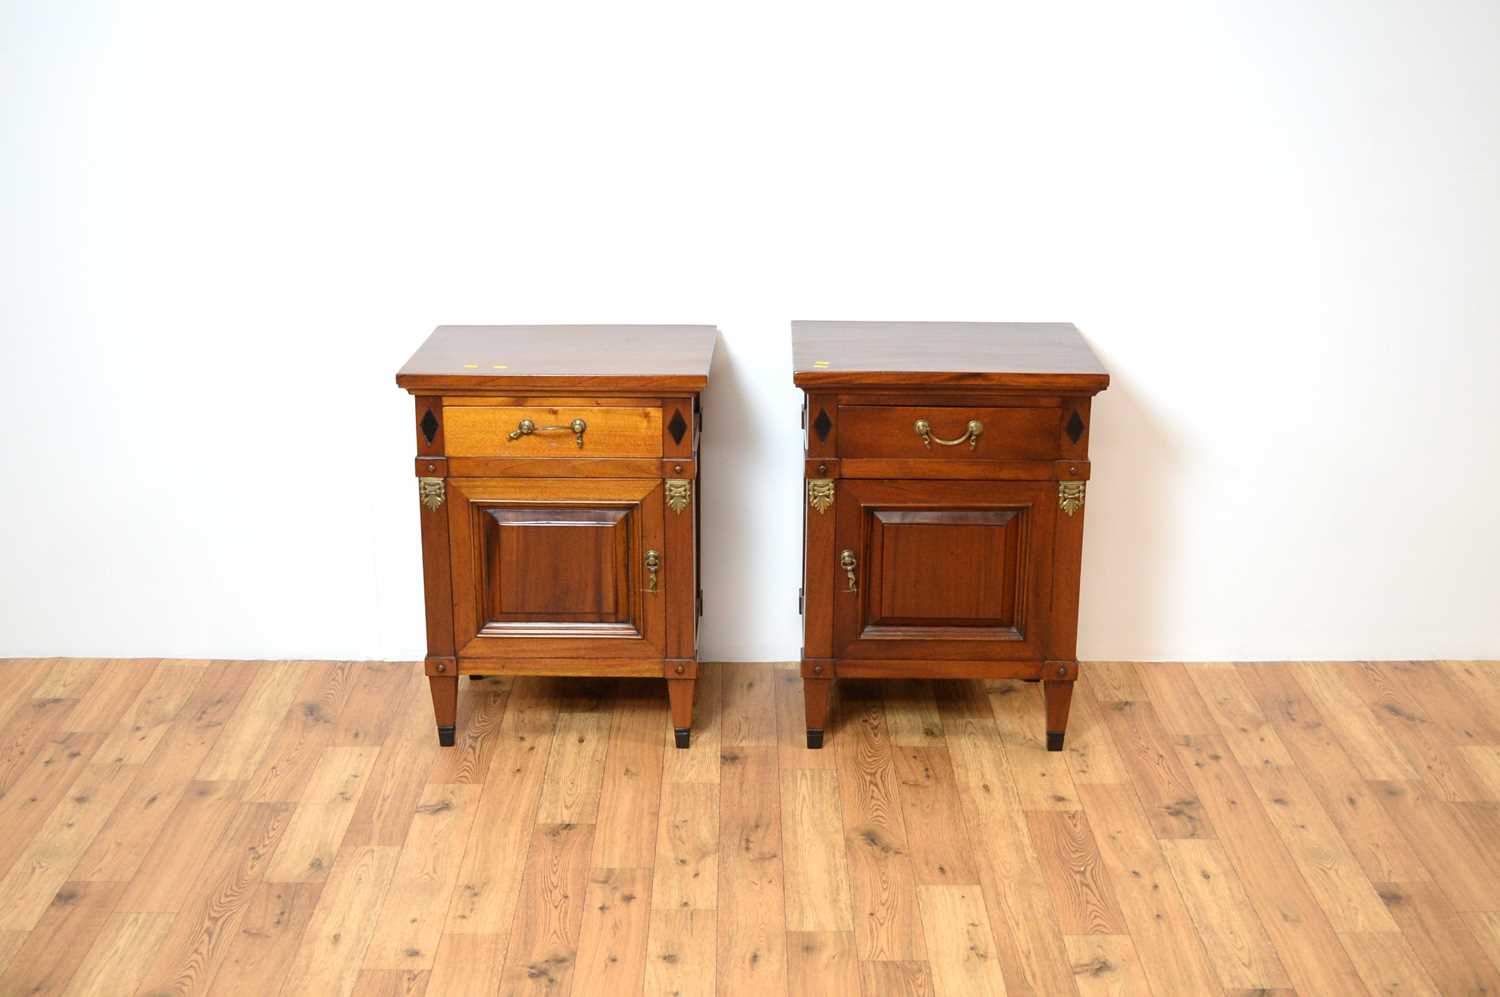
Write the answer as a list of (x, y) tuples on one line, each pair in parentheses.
[(471, 366), (820, 363), (499, 366)]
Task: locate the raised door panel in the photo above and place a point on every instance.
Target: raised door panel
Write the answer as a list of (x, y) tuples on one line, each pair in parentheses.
[(550, 568), (555, 566), (952, 570), (944, 567)]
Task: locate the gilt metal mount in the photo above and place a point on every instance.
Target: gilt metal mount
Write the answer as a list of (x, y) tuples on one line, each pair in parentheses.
[(848, 562), (432, 492), (971, 434), (820, 493), (1070, 496), (526, 427), (679, 493)]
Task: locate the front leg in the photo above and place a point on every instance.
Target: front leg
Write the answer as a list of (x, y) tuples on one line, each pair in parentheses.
[(1059, 696), (445, 706), (680, 692), (817, 694)]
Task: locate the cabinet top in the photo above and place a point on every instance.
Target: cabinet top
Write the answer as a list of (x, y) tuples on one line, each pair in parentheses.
[(1024, 355), (597, 357)]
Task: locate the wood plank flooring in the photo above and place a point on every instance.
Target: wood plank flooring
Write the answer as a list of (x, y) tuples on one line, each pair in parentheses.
[(263, 828)]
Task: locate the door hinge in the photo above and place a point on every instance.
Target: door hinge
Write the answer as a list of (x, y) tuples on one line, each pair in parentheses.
[(799, 602)]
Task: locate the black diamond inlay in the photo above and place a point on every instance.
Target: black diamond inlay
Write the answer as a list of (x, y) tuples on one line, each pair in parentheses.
[(822, 424), (429, 426), (1075, 427), (677, 427)]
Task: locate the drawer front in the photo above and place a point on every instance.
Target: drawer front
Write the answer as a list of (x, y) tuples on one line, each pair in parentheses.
[(545, 431), (946, 433)]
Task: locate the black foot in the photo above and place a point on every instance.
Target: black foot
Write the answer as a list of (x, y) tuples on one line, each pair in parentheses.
[(1054, 740), (683, 735), (445, 736), (814, 739)]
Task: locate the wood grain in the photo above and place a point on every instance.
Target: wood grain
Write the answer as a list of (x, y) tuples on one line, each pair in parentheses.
[(821, 962), (1172, 805), (818, 895), (919, 853), (307, 850), (960, 947), (482, 431), (687, 848), (344, 920), (618, 358), (1106, 966), (1081, 891), (1171, 952), (543, 947), (680, 954), (887, 923), (751, 926), (411, 920), (612, 940), (1237, 945), (575, 771)]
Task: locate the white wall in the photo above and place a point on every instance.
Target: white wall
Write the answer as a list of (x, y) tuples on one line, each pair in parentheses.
[(225, 227)]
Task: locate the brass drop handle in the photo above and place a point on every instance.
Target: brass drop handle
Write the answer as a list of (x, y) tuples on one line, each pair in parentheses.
[(653, 561), (848, 563), (526, 427), (971, 433)]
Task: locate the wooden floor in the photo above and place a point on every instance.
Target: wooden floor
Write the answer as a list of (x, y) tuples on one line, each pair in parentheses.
[(293, 827)]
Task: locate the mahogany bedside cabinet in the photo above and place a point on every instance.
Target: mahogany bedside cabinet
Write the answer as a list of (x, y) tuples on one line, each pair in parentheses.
[(946, 468), (557, 471)]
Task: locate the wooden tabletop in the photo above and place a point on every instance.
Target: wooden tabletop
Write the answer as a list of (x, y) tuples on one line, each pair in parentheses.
[(1035, 355), (593, 357)]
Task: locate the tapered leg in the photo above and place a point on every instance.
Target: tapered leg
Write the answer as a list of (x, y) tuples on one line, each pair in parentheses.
[(445, 705), (680, 691), (1059, 696), (816, 694)]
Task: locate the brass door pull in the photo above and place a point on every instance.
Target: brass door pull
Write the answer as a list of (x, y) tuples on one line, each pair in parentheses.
[(526, 427), (653, 561), (971, 433), (848, 563)]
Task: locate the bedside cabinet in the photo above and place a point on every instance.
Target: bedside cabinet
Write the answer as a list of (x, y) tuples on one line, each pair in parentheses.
[(946, 468), (557, 485)]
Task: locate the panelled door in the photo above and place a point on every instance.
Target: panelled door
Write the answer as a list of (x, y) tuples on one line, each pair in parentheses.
[(944, 570), (558, 568)]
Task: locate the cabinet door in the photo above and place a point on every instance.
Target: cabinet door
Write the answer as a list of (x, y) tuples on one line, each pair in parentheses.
[(551, 568), (946, 570)]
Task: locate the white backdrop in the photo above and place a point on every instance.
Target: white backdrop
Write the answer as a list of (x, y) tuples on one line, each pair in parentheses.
[(226, 226)]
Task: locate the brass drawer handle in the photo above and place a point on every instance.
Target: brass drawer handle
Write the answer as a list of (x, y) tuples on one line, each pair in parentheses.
[(653, 561), (848, 563), (526, 427), (924, 430)]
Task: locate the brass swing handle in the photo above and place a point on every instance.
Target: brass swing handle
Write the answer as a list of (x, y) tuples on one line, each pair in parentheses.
[(848, 563), (924, 430), (526, 427), (653, 562)]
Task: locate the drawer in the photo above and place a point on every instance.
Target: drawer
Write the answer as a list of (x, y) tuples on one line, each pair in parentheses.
[(543, 431), (890, 431)]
